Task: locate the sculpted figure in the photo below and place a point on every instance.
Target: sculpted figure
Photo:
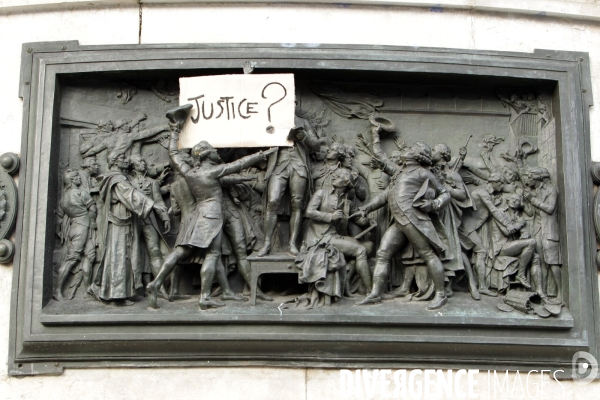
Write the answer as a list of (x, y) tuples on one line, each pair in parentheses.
[(235, 226), (88, 172), (474, 218), (119, 141), (119, 275), (320, 261), (204, 228), (512, 241), (78, 213), (451, 214), (414, 192), (289, 167), (322, 174), (183, 204), (542, 196), (105, 130), (151, 227)]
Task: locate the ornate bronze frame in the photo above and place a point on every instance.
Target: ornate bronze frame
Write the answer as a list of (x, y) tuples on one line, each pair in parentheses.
[(43, 346)]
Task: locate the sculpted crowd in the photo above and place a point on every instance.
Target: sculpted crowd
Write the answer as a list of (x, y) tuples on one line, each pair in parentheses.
[(422, 225)]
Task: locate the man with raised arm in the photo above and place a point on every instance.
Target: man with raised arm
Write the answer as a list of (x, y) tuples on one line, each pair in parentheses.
[(204, 230)]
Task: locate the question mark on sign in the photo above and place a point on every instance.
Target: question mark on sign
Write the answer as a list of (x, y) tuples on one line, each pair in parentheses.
[(272, 104)]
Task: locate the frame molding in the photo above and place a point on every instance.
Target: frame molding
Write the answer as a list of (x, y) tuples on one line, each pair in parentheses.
[(39, 346)]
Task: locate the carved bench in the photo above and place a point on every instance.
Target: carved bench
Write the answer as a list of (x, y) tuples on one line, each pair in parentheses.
[(276, 263)]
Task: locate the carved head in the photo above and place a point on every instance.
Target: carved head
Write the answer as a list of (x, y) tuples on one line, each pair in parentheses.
[(396, 157), (91, 165), (441, 152), (336, 151), (106, 125), (341, 178), (537, 175), (420, 152), (204, 150), (496, 180), (118, 160), (349, 155), (514, 201), (139, 164), (123, 125), (510, 173), (71, 178), (321, 154)]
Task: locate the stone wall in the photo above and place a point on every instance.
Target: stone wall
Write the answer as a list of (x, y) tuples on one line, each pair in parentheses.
[(509, 25)]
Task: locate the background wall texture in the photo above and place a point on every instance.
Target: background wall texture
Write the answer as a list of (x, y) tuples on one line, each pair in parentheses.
[(508, 25)]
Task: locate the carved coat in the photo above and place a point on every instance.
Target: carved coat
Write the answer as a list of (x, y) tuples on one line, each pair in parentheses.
[(545, 224), (408, 187), (120, 268)]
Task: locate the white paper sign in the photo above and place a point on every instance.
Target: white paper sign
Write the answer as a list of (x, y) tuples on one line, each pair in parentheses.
[(238, 110)]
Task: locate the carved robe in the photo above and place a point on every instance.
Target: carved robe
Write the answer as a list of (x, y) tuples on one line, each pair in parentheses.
[(120, 271)]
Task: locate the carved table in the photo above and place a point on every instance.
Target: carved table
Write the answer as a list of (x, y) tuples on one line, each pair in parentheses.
[(277, 263)]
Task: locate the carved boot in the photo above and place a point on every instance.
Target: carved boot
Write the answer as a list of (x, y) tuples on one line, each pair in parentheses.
[(152, 294), (448, 289), (404, 289), (266, 249), (374, 297), (270, 225), (480, 266), (209, 302), (438, 301), (155, 264), (231, 295)]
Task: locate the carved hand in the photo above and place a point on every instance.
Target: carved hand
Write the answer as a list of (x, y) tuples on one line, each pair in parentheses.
[(381, 184), (336, 215), (428, 206), (462, 151), (167, 226), (400, 143), (377, 163)]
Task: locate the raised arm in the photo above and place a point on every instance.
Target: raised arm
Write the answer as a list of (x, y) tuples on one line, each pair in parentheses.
[(178, 163), (148, 133), (234, 167)]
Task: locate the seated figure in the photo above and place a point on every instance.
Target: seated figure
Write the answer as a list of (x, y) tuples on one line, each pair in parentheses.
[(321, 260)]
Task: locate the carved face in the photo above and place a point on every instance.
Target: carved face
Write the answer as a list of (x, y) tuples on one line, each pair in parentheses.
[(76, 179), (527, 181), (396, 157), (514, 202), (321, 154), (92, 166), (214, 156), (339, 180), (407, 153), (335, 152), (509, 175), (122, 162), (139, 164), (349, 157), (497, 186)]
